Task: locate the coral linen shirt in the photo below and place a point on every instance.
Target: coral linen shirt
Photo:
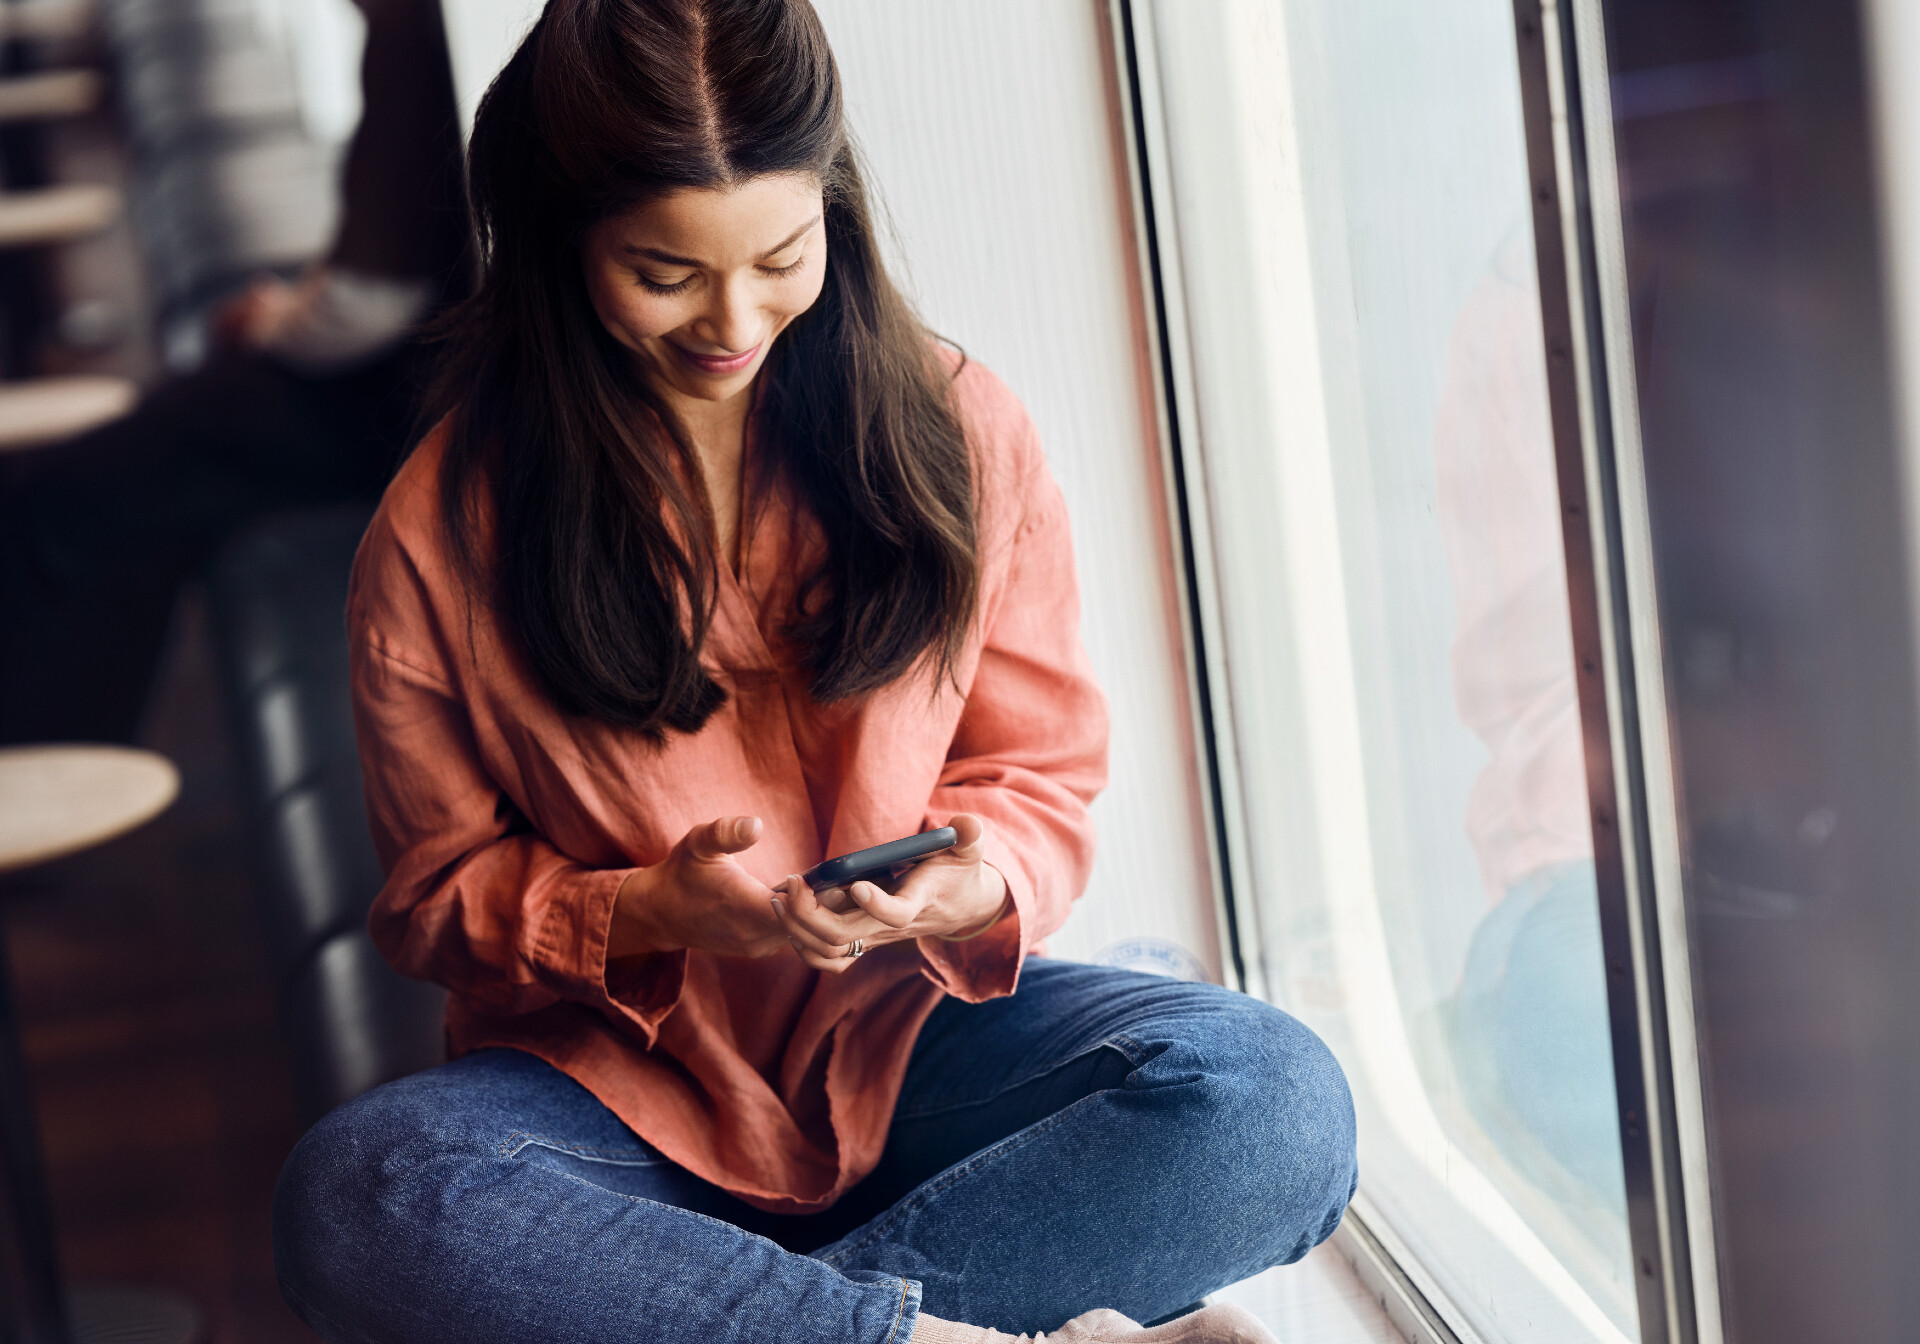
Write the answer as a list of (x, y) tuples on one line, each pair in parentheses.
[(506, 826)]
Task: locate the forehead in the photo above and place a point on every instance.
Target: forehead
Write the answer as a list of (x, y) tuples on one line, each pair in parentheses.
[(720, 225)]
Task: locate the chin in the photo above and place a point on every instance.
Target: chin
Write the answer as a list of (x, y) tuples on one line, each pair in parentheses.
[(720, 389)]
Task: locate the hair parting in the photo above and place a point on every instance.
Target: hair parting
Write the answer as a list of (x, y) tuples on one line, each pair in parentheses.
[(572, 497)]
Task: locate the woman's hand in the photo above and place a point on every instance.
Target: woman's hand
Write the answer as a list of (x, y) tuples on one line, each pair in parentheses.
[(954, 894), (697, 897)]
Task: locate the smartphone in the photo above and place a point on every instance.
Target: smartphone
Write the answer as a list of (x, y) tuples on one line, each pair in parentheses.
[(878, 861)]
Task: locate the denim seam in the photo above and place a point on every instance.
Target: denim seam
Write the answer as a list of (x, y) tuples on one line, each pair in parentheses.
[(617, 1157), (658, 1204), (899, 1314), (1136, 1056), (953, 1176)]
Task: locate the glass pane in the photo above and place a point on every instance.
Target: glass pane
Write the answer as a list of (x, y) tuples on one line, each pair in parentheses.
[(1355, 264)]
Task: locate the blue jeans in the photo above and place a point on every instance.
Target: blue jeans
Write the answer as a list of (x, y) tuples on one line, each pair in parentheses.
[(1100, 1138)]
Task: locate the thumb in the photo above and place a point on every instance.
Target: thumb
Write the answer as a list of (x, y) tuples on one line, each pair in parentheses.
[(717, 839), (970, 846)]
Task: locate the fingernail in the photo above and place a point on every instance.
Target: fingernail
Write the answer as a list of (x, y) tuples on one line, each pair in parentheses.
[(775, 903)]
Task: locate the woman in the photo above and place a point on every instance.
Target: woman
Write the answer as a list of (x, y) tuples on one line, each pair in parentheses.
[(717, 565)]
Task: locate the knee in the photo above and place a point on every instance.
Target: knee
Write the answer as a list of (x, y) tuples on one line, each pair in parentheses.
[(1278, 1103), (334, 1202), (314, 1210)]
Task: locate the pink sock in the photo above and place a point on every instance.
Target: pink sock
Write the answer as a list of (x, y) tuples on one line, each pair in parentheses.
[(933, 1330)]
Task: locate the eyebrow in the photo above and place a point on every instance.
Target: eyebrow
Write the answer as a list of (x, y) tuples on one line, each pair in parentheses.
[(674, 259)]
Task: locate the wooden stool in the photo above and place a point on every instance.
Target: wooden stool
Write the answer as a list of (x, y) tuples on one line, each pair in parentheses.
[(50, 93), (54, 801), (45, 410), (42, 216), (50, 409)]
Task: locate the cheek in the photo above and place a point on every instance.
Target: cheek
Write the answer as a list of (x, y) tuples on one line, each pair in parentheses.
[(640, 315), (800, 297), (627, 310)]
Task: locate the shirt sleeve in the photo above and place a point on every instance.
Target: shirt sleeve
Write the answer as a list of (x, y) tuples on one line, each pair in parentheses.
[(475, 899), (1030, 752)]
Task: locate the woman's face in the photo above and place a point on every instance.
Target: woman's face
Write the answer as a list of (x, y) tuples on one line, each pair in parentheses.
[(699, 283)]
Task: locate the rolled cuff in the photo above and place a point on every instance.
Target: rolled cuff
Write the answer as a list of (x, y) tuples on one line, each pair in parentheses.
[(646, 989), (986, 967), (637, 993)]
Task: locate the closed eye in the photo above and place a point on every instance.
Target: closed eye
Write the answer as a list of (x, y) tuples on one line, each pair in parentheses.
[(781, 272), (655, 287)]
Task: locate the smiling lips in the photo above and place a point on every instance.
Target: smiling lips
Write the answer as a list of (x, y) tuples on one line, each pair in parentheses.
[(717, 365)]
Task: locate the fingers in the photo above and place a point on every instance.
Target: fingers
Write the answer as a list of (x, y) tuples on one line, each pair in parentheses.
[(894, 909), (837, 900), (955, 893), (817, 952), (831, 965), (821, 953), (821, 937), (717, 839), (803, 908)]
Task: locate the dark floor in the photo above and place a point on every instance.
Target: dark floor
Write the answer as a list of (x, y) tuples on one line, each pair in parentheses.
[(149, 1027)]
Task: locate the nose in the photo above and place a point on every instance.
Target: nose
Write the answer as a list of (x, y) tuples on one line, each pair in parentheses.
[(730, 322)]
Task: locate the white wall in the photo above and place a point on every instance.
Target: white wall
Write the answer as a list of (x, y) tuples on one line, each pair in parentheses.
[(988, 129), (481, 34)]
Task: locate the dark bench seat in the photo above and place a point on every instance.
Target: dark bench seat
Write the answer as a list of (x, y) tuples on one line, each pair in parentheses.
[(278, 594)]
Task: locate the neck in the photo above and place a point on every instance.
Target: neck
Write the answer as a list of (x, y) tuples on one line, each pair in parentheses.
[(718, 431)]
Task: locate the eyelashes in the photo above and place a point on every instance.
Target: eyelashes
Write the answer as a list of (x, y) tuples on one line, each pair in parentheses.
[(679, 286)]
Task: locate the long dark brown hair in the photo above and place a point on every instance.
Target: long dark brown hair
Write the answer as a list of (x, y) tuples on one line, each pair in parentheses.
[(603, 553)]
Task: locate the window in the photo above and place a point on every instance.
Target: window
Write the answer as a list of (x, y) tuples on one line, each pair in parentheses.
[(1346, 252)]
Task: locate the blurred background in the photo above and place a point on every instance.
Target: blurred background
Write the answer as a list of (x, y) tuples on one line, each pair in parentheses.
[(170, 174)]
